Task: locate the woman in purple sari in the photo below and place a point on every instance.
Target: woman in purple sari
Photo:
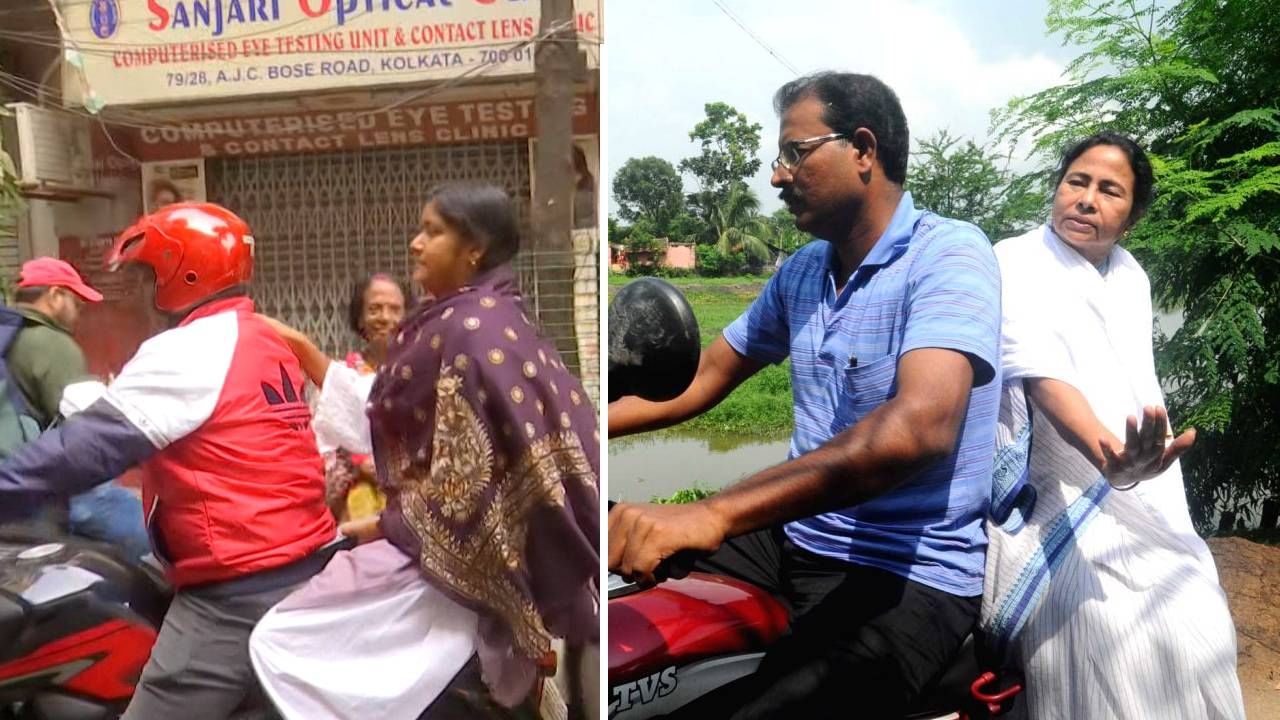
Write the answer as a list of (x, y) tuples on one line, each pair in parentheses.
[(487, 449)]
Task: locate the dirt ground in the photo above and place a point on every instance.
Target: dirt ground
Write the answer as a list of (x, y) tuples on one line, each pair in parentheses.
[(1250, 573)]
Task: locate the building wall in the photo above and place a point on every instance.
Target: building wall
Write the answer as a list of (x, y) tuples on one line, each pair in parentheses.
[(484, 116), (586, 308), (9, 259), (680, 257)]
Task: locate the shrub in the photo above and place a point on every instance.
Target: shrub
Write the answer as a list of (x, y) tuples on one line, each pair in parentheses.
[(685, 496), (713, 263)]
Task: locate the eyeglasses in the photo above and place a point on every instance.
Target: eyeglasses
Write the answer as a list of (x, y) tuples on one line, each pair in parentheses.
[(793, 152)]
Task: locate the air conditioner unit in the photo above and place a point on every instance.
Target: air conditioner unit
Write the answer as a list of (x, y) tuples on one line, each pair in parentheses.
[(54, 152)]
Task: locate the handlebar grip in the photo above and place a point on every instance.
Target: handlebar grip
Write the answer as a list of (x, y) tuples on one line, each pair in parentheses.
[(679, 565)]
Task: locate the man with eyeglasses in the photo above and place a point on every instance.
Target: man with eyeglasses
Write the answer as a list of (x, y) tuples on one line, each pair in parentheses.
[(43, 361), (872, 531)]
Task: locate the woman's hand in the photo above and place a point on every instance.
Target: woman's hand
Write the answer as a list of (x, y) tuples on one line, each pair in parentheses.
[(363, 530), (1144, 454)]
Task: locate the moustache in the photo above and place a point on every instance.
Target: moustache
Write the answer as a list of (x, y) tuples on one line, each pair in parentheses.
[(791, 197)]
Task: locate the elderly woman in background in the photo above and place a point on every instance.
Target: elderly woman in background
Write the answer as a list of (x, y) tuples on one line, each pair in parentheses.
[(377, 306), (1097, 583), (488, 451)]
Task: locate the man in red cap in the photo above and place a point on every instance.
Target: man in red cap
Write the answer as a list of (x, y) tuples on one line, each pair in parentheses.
[(42, 361), (44, 358)]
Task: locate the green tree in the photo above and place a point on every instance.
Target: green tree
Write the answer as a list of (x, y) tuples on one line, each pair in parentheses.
[(617, 231), (1198, 85), (713, 263), (729, 154), (965, 181), (642, 238), (786, 237), (649, 187), (643, 248), (735, 225), (686, 227)]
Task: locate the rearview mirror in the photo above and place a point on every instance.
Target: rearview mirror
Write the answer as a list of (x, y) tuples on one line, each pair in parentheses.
[(654, 344)]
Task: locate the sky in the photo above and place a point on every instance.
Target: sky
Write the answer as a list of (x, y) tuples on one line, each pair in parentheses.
[(950, 62)]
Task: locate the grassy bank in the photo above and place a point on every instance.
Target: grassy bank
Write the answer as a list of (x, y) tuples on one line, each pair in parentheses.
[(761, 407), (616, 281)]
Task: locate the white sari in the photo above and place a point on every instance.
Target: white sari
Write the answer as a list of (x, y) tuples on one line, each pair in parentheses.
[(1109, 600)]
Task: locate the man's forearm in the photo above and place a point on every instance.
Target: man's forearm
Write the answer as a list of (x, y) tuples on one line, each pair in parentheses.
[(631, 415), (720, 370), (311, 358), (91, 447), (865, 461)]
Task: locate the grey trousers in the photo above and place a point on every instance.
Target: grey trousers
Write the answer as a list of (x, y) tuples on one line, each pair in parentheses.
[(199, 668)]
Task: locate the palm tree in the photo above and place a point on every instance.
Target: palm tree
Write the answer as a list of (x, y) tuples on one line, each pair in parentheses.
[(734, 224)]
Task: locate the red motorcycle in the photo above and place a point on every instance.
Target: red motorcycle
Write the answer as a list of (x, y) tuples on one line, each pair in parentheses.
[(685, 637), (77, 622)]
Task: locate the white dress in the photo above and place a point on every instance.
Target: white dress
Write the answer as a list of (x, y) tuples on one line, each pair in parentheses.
[(367, 637), (1131, 622)]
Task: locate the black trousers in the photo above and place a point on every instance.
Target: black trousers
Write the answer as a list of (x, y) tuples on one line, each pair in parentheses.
[(863, 642)]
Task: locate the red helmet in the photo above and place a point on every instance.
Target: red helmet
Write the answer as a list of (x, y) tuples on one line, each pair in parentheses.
[(196, 250)]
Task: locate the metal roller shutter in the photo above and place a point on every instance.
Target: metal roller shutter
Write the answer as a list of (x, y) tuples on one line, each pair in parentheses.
[(323, 221)]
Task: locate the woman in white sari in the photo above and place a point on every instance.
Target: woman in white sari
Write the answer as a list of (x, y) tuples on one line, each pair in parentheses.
[(1097, 583)]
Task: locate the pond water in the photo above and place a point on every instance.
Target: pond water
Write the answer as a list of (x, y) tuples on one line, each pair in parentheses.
[(642, 467)]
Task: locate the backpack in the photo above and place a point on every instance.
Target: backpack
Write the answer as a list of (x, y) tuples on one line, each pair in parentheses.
[(17, 425)]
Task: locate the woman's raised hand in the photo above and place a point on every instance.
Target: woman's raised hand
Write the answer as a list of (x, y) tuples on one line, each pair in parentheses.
[(1146, 451)]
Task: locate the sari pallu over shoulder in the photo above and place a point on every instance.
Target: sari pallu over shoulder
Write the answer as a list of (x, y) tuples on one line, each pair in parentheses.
[(1045, 494), (488, 450)]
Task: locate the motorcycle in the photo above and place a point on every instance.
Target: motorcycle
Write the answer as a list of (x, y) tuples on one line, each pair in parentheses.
[(695, 632), (77, 622)]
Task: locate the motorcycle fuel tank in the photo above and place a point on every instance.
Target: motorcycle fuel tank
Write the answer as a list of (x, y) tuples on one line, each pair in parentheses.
[(682, 621)]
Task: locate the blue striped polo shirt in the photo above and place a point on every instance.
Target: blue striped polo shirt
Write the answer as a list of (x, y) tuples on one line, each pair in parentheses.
[(929, 282)]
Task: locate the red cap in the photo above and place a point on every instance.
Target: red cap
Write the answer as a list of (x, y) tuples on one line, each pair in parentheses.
[(52, 272)]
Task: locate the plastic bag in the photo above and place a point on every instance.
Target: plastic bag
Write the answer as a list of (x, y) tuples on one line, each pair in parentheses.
[(340, 420)]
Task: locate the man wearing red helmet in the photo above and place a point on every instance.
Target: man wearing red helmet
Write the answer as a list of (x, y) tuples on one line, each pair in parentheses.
[(233, 486)]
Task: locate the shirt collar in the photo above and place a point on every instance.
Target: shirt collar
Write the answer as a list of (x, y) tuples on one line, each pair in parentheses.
[(238, 303), (892, 243), (36, 316)]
